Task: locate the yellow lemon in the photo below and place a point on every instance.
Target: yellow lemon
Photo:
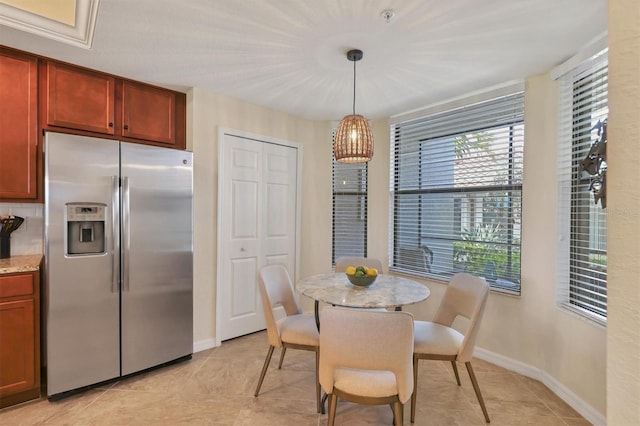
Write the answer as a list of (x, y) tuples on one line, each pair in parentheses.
[(350, 270), (372, 272)]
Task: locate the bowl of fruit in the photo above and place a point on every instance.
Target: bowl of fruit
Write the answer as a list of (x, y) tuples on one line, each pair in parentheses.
[(361, 275)]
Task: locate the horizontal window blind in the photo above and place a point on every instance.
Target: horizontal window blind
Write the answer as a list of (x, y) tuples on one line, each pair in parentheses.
[(456, 190), (349, 210), (582, 268)]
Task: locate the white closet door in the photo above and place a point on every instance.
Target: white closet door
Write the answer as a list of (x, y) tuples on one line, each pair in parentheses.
[(257, 208)]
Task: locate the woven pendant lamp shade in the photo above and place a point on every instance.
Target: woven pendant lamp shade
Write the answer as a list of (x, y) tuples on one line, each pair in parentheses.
[(353, 141)]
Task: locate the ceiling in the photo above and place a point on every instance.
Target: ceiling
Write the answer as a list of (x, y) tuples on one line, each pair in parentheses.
[(290, 55)]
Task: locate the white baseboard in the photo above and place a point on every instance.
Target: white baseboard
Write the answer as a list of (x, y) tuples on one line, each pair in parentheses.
[(202, 345), (585, 410)]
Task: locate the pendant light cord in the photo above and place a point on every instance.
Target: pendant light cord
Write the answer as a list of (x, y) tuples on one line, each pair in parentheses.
[(354, 87)]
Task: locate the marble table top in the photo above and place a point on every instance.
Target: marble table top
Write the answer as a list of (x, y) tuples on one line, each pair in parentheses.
[(388, 291)]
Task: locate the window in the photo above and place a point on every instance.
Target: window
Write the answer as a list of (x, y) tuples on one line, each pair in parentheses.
[(582, 267), (457, 192), (349, 210)]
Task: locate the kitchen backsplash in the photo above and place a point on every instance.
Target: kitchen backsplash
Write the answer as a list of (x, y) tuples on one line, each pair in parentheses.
[(29, 238)]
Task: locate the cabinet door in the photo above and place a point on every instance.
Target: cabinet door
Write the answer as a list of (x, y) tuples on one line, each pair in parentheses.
[(19, 338), (18, 126), (80, 99), (17, 351), (148, 113)]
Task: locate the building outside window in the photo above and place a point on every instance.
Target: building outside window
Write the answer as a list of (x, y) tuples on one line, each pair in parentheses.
[(456, 192), (582, 259)]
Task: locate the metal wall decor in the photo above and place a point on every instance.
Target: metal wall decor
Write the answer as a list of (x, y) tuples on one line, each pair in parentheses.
[(595, 163)]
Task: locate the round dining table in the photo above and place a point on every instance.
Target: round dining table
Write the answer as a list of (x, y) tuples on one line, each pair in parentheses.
[(387, 291)]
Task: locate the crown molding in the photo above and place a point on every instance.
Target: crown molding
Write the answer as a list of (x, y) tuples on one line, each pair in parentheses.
[(80, 34)]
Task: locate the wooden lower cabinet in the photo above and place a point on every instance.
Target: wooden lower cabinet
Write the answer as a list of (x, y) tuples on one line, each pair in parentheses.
[(19, 338)]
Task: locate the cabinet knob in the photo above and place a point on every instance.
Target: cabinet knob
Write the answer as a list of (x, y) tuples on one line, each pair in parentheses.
[(126, 127), (110, 124)]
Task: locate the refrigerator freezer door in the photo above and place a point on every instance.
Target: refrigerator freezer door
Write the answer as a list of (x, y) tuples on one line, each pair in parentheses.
[(81, 290), (157, 293)]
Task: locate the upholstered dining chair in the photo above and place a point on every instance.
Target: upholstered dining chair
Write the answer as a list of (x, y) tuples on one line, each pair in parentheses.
[(344, 262), (296, 330), (366, 358), (466, 296)]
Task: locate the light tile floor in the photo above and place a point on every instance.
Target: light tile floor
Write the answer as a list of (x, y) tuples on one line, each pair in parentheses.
[(216, 388)]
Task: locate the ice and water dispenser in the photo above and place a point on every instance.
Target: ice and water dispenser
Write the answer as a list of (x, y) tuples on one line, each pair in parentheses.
[(85, 228)]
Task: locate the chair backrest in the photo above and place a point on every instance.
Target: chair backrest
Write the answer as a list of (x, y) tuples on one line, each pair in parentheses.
[(367, 340), (466, 295), (415, 258), (369, 262), (276, 290)]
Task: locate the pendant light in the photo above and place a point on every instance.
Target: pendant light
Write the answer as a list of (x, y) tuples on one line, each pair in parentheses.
[(353, 142)]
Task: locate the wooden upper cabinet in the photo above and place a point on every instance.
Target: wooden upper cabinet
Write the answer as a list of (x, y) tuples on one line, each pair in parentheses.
[(82, 101), (148, 113), (18, 127), (79, 99)]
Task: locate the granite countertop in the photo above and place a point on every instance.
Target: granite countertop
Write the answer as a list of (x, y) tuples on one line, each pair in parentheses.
[(25, 263)]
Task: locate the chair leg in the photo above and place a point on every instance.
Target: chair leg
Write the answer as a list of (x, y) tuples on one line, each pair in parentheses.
[(414, 395), (398, 409), (476, 388), (455, 370), (267, 360), (281, 357), (333, 400), (318, 397)]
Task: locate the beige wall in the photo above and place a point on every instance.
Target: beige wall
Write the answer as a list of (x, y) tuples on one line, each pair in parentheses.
[(565, 350), (208, 112), (623, 221)]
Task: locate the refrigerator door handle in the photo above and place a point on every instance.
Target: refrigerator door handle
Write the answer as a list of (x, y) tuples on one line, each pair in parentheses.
[(115, 241), (126, 235)]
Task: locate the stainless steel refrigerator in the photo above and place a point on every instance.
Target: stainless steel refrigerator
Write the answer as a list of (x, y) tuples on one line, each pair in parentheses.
[(118, 259)]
